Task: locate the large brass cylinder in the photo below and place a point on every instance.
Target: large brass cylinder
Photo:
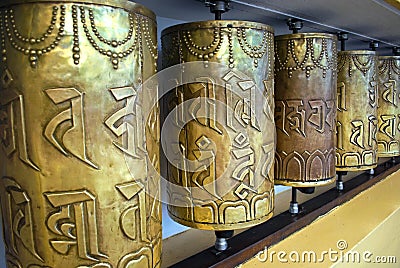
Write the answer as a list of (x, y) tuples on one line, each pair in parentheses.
[(305, 109), (76, 185), (388, 135), (357, 101), (232, 144)]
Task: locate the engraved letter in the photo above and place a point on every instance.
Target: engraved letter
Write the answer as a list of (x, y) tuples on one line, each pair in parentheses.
[(245, 167), (268, 150), (13, 134), (248, 104), (280, 116), (204, 107), (388, 126), (244, 110), (174, 102), (357, 135), (341, 96), (389, 94), (73, 140), (330, 114), (339, 135), (132, 135), (373, 93), (296, 117), (205, 174), (75, 222), (317, 117), (17, 213), (130, 190)]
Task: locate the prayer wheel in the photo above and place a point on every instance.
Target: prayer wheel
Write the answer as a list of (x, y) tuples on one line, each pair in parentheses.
[(221, 177), (305, 109), (357, 99), (77, 188), (388, 135)]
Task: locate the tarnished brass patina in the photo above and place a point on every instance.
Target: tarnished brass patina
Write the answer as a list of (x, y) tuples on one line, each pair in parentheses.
[(388, 106), (357, 100), (305, 109), (232, 144), (75, 185)]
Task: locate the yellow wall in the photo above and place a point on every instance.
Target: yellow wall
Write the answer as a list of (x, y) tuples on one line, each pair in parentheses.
[(369, 224)]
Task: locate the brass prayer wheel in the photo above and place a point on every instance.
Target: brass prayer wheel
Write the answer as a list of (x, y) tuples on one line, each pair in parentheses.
[(357, 99), (229, 137), (305, 109), (388, 135), (76, 188)]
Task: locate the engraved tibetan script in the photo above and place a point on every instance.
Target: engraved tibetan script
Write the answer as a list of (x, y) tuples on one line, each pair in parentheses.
[(357, 135), (131, 134), (75, 222), (176, 102), (389, 94), (291, 115), (13, 131), (296, 117), (388, 125), (73, 140), (17, 216), (341, 96), (128, 222), (244, 152), (204, 105), (268, 161), (373, 94), (339, 135), (317, 118), (244, 110), (205, 174)]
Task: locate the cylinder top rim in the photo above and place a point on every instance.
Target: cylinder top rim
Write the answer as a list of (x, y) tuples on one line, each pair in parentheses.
[(129, 6)]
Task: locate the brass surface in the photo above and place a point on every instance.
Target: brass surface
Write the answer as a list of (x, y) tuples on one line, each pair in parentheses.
[(388, 135), (305, 109), (357, 100), (235, 190), (127, 5), (76, 186)]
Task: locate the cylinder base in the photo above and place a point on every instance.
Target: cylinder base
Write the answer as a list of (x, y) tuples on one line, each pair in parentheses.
[(357, 168), (220, 227), (299, 184)]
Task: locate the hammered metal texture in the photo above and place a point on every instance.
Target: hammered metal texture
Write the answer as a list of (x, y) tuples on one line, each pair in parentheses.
[(236, 188), (305, 109), (388, 106), (357, 100), (75, 185)]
